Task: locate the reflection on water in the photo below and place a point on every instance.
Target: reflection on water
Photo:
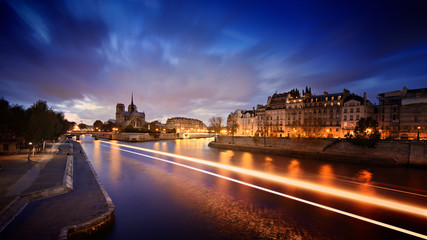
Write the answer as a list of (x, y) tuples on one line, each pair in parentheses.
[(224, 158), (326, 174), (294, 168), (115, 164), (156, 146), (269, 166), (97, 154), (364, 176), (140, 184)]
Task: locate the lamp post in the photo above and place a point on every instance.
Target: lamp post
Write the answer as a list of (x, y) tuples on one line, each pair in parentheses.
[(418, 135)]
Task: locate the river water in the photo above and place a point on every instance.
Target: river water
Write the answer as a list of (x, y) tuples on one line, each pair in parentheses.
[(157, 199)]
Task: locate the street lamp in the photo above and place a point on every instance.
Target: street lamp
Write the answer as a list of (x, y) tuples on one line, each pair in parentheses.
[(418, 135)]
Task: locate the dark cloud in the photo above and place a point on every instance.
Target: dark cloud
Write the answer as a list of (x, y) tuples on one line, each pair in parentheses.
[(195, 58)]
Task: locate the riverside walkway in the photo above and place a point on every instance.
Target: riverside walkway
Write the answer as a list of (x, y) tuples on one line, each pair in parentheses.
[(68, 208)]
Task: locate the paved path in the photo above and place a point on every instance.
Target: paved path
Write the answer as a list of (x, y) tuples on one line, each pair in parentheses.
[(45, 218)]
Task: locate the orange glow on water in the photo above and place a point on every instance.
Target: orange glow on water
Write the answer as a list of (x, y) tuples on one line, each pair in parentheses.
[(269, 166), (294, 168), (364, 176), (302, 184), (381, 202), (326, 174)]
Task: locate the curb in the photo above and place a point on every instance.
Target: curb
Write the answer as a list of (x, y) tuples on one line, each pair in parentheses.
[(11, 211), (93, 226), (14, 208)]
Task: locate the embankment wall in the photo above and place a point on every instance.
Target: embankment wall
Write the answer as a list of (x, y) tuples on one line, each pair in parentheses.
[(385, 152)]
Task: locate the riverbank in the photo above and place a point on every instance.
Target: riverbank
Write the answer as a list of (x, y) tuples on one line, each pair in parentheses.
[(53, 196), (385, 152)]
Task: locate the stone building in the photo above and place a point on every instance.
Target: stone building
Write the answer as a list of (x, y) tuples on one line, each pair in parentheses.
[(182, 124), (403, 114), (322, 114), (247, 121), (131, 117), (355, 108), (9, 146), (275, 110), (291, 114)]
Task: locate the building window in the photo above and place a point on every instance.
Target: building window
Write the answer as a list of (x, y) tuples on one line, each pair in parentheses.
[(357, 117), (351, 110), (345, 110), (345, 117), (6, 147), (351, 117), (358, 110), (337, 130)]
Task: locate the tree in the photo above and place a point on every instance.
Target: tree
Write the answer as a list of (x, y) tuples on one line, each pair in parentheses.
[(256, 139), (108, 126), (264, 126), (216, 124), (36, 124), (44, 123), (366, 132), (312, 127), (82, 126), (232, 124), (97, 125)]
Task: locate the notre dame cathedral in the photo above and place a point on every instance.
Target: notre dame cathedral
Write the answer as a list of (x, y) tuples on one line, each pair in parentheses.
[(131, 117)]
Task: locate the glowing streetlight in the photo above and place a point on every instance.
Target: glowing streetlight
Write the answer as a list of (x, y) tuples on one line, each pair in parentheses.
[(418, 135)]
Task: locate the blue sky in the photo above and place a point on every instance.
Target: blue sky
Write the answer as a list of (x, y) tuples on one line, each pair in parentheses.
[(203, 58)]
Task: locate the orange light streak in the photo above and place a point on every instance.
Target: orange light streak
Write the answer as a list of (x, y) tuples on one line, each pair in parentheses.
[(389, 226), (382, 202)]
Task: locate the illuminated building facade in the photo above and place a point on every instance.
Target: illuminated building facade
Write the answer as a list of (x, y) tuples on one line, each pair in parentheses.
[(247, 121), (403, 114), (355, 108), (182, 124), (322, 114)]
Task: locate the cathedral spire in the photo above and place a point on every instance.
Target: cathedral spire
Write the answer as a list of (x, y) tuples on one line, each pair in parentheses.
[(131, 101), (132, 107)]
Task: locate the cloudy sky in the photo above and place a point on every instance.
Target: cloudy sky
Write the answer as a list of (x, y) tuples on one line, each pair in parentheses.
[(199, 59)]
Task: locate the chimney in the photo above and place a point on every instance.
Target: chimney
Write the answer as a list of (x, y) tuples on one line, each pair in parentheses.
[(346, 93), (364, 98), (325, 93)]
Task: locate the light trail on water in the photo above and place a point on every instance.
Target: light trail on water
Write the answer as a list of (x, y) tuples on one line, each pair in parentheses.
[(298, 183)]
